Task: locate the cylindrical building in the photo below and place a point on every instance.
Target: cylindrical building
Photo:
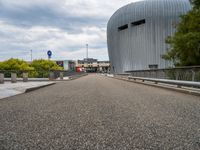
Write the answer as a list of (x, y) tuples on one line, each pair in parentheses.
[(136, 33)]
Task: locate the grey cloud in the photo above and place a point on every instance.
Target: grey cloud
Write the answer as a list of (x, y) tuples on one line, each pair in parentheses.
[(63, 26), (41, 15)]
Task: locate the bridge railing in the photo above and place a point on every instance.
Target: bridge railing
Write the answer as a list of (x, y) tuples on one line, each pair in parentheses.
[(25, 75), (166, 81), (179, 73)]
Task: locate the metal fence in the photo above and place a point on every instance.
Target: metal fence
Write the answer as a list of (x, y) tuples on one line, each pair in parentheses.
[(179, 73), (53, 74)]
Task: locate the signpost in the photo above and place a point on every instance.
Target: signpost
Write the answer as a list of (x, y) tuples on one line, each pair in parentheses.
[(49, 53)]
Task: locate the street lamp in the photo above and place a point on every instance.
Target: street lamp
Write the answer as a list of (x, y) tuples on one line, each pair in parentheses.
[(31, 55), (87, 51)]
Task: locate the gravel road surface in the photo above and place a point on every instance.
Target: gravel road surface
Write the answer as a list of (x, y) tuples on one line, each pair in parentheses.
[(96, 112)]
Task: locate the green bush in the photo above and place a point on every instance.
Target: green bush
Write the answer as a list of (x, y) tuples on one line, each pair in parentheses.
[(15, 65), (42, 67), (36, 69)]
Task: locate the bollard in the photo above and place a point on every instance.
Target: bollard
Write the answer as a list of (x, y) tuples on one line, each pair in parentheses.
[(25, 77), (1, 78), (61, 75), (51, 76), (13, 77)]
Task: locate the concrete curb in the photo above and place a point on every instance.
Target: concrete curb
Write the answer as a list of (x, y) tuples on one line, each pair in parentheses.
[(76, 77), (71, 78), (23, 91), (29, 79), (36, 88), (181, 90)]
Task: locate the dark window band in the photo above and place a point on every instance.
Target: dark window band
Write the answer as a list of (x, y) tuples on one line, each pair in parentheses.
[(123, 27), (139, 22)]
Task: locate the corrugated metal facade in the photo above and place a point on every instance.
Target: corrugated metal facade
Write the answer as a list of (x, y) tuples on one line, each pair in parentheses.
[(149, 22)]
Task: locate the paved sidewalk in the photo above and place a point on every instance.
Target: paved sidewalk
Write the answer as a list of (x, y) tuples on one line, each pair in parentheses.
[(11, 89)]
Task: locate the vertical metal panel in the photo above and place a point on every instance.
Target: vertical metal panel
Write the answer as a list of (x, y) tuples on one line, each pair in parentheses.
[(139, 46)]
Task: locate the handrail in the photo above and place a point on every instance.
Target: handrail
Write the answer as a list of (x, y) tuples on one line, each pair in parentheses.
[(175, 68), (173, 82)]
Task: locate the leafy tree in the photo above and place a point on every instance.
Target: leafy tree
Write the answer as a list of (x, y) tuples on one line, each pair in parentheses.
[(196, 3), (15, 65), (46, 65), (38, 68), (43, 67), (185, 44)]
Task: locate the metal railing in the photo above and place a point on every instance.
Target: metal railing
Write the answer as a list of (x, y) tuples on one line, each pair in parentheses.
[(179, 73), (25, 75), (173, 82)]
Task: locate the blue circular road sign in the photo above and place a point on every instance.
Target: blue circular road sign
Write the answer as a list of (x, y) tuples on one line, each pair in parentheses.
[(49, 53)]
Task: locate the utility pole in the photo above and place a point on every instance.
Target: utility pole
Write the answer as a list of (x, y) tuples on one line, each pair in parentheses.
[(31, 55), (87, 51), (86, 57)]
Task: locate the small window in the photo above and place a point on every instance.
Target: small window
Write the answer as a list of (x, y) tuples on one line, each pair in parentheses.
[(153, 66), (137, 23), (123, 27)]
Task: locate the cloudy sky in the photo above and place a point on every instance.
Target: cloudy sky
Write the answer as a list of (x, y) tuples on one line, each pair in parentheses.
[(63, 26)]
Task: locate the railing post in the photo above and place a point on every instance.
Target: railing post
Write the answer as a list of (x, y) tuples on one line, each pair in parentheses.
[(51, 75), (149, 73), (193, 75), (25, 77), (177, 74), (146, 74), (154, 74), (161, 74), (61, 75), (13, 77), (1, 78)]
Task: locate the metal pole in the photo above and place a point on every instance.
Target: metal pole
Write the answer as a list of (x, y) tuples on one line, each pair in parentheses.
[(86, 56), (87, 51), (31, 55), (49, 68)]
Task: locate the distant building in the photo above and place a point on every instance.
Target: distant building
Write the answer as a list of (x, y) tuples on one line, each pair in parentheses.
[(92, 65), (68, 65), (104, 66)]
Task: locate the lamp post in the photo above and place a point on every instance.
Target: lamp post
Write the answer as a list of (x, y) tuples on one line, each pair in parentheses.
[(86, 57), (31, 55), (87, 51)]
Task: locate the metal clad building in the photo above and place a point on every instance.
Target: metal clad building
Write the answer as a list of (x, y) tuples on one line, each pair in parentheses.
[(136, 33)]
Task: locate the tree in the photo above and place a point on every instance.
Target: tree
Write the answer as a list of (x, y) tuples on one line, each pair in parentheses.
[(18, 66), (185, 43), (38, 68), (45, 65), (15, 65), (196, 3)]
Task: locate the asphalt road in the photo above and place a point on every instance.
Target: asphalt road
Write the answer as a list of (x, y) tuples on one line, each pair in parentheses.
[(95, 112)]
